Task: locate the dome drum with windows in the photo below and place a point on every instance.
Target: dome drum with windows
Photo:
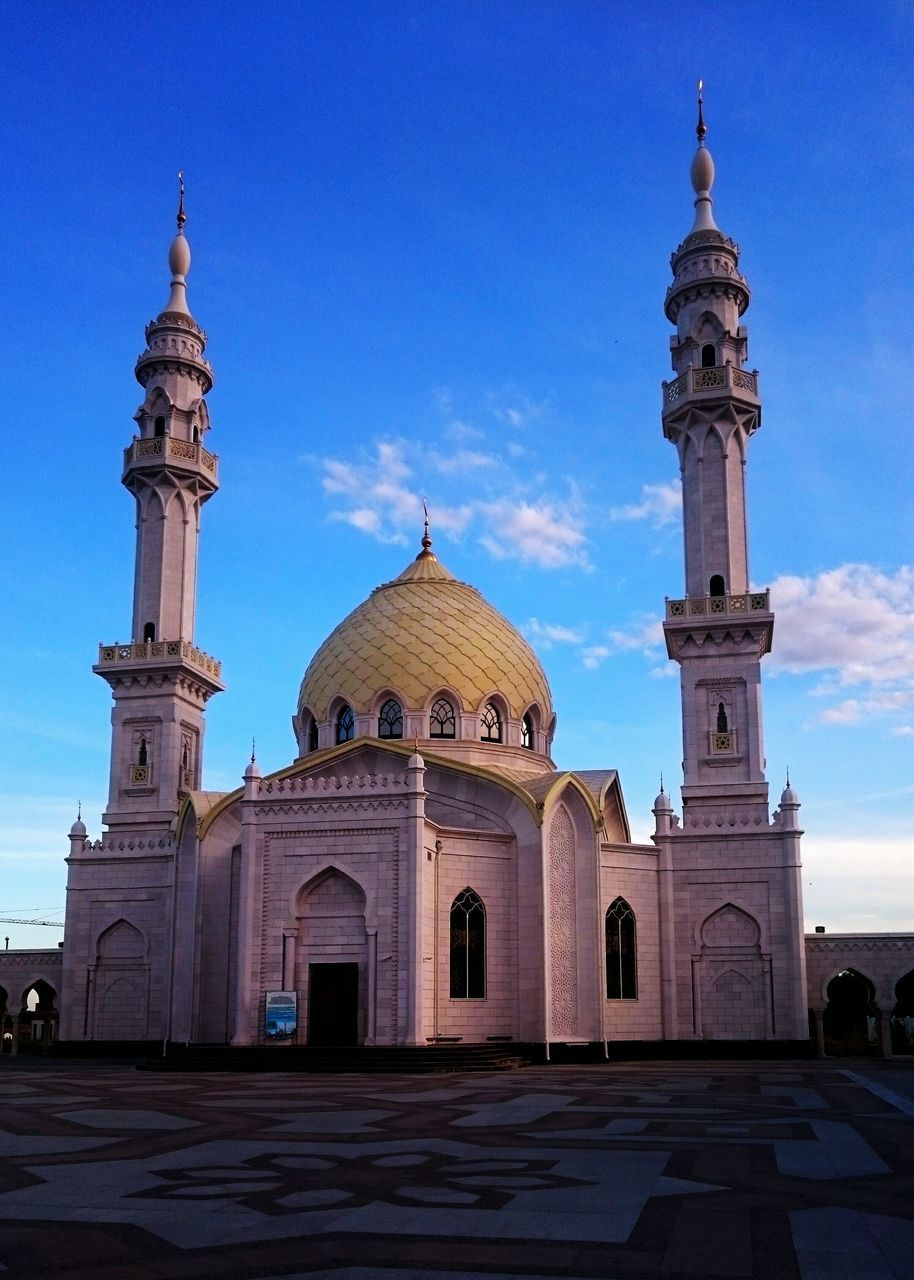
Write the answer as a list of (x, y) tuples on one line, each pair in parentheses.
[(427, 657)]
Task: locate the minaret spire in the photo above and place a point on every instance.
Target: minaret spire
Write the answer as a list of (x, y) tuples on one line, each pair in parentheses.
[(161, 680), (701, 127), (702, 174), (179, 260), (710, 410)]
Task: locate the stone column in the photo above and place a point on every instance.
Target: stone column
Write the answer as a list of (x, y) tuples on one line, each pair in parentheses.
[(884, 1033), (289, 941), (415, 787), (819, 1026), (371, 1030), (246, 881)]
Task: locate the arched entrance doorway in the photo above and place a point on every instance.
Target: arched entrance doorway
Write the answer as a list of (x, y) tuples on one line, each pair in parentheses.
[(37, 1021), (332, 960), (849, 1020), (903, 1015)]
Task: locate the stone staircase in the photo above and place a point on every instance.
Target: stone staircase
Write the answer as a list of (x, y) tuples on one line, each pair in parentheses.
[(336, 1060)]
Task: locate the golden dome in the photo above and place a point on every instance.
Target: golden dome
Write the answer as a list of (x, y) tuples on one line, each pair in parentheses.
[(423, 632)]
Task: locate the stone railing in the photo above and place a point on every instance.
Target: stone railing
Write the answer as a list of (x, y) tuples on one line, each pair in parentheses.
[(160, 447), (156, 651), (708, 606), (721, 377)]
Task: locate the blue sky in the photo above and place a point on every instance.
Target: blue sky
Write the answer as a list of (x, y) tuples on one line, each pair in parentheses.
[(431, 244)]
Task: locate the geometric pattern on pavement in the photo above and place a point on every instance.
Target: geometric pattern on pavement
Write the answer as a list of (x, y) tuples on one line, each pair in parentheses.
[(625, 1170)]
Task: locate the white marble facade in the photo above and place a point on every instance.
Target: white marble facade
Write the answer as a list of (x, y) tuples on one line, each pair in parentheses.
[(421, 872)]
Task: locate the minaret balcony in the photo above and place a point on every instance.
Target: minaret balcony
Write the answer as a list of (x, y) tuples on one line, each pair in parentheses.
[(710, 383), (719, 606), (158, 653), (155, 450)]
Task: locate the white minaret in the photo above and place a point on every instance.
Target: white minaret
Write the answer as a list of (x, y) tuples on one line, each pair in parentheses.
[(160, 680), (720, 630)]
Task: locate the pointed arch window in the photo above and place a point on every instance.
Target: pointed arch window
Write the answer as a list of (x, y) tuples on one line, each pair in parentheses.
[(490, 723), (527, 733), (468, 946), (708, 356), (390, 720), (345, 725), (621, 954), (442, 722), (717, 586), (312, 734)]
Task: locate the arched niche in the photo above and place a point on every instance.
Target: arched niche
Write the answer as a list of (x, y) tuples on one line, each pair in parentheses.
[(120, 984), (732, 977), (331, 959)]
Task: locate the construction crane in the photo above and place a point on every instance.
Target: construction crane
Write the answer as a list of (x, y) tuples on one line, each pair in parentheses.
[(51, 924)]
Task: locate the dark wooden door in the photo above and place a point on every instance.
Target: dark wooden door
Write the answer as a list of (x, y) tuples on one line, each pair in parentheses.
[(333, 1004)]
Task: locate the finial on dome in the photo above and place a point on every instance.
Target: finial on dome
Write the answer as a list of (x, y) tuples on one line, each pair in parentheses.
[(78, 829), (182, 216), (426, 552), (701, 128), (253, 750)]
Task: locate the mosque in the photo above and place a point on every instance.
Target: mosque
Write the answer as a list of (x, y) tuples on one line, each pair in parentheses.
[(421, 873)]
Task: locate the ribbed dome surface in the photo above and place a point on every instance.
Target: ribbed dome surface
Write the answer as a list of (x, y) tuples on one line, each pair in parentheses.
[(417, 634)]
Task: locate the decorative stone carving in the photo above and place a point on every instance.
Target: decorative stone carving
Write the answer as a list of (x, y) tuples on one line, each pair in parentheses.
[(563, 925)]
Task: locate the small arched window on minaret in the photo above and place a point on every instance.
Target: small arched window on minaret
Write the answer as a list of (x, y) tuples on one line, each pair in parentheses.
[(708, 356), (722, 726), (717, 586), (142, 755), (159, 426), (149, 632)]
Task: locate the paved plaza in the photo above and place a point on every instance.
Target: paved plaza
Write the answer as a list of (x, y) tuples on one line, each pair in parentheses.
[(621, 1170)]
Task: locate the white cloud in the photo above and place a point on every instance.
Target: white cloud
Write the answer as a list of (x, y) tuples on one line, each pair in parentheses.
[(538, 532), (661, 504), (515, 408), (855, 621), (463, 431), (646, 635), (545, 634), (902, 731), (462, 461), (383, 499), (855, 626), (594, 655)]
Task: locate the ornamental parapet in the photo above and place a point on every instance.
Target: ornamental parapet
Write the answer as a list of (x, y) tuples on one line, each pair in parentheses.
[(151, 451), (719, 606), (722, 377), (158, 651)]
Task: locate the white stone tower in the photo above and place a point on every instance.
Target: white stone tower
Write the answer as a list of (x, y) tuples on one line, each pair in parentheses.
[(160, 680), (735, 950), (720, 631)]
